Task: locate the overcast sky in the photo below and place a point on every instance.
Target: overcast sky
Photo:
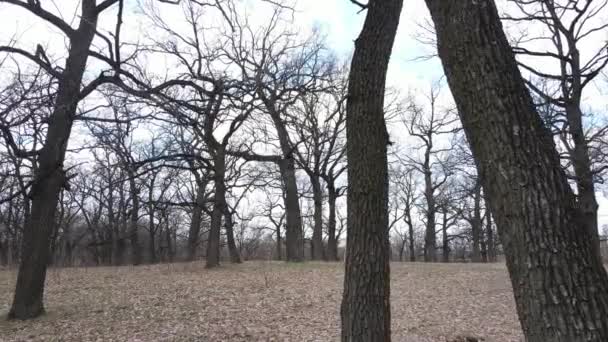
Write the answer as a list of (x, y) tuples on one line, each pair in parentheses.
[(338, 19)]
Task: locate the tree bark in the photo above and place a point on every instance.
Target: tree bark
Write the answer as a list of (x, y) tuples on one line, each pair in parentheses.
[(560, 287), (195, 222), (213, 243), (491, 245), (317, 234), (430, 237), (445, 247), (294, 239), (365, 310), (235, 256), (49, 177), (332, 241), (476, 224), (581, 163)]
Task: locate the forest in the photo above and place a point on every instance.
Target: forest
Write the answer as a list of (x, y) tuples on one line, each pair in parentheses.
[(200, 146)]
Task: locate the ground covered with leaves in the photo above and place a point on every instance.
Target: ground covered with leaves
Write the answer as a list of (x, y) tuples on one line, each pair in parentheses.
[(259, 301)]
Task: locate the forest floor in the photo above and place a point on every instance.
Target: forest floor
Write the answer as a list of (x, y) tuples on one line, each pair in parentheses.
[(259, 301)]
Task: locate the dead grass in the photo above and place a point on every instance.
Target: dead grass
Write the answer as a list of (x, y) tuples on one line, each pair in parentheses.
[(259, 301)]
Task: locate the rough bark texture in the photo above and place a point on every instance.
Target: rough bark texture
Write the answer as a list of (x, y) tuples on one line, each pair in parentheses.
[(560, 287), (294, 239), (49, 178), (581, 163), (365, 310), (219, 209)]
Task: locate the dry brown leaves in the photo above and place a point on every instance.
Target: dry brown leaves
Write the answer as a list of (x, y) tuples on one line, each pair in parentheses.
[(259, 301)]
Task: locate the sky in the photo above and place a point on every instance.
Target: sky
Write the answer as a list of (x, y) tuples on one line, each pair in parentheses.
[(407, 70), (341, 22)]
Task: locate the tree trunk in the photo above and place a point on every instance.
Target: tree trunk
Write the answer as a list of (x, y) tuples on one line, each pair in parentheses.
[(332, 241), (49, 177), (152, 242), (294, 239), (430, 237), (195, 222), (581, 163), (279, 244), (412, 242), (365, 309), (3, 252), (490, 236), (476, 224), (317, 234), (219, 204), (560, 287), (235, 256), (445, 247)]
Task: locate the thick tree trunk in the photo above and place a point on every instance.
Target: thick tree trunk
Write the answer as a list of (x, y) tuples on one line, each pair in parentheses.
[(332, 241), (219, 209), (195, 223), (294, 239), (365, 310), (317, 234), (560, 287), (279, 244), (235, 256), (49, 177)]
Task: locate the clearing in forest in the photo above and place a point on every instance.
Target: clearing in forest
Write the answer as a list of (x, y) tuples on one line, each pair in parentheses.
[(259, 301)]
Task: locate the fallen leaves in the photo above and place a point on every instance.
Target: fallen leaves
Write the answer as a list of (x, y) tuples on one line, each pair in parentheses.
[(260, 301)]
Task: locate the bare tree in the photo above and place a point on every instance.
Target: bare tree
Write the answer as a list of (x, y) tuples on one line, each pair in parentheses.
[(566, 28), (560, 286), (320, 125), (428, 125), (365, 310)]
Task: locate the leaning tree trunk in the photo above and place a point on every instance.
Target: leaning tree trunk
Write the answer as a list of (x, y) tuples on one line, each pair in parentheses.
[(560, 287), (50, 177), (365, 310), (317, 234)]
